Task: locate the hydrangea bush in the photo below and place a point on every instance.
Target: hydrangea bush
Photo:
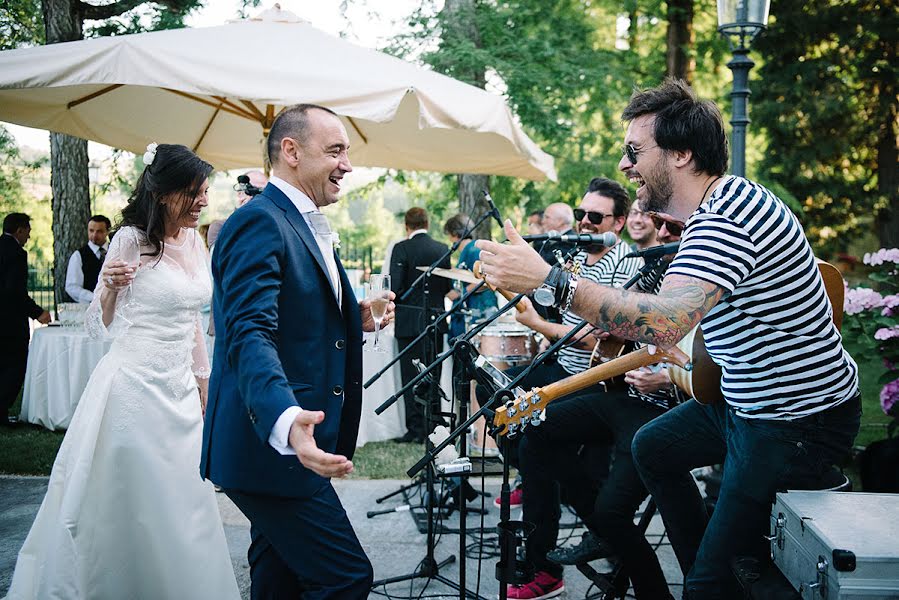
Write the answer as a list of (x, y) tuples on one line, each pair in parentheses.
[(871, 323)]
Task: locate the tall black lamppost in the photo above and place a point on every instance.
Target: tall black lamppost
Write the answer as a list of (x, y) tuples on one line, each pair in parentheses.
[(740, 21)]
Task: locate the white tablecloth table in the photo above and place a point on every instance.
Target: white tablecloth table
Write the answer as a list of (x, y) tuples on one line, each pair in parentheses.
[(60, 362), (392, 422)]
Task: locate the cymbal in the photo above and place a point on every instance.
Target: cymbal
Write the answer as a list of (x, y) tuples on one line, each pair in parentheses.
[(460, 274)]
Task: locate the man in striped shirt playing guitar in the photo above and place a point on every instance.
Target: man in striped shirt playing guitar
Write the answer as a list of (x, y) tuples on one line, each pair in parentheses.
[(746, 273)]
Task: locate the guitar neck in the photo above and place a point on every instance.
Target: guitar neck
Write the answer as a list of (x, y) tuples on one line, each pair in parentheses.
[(613, 368)]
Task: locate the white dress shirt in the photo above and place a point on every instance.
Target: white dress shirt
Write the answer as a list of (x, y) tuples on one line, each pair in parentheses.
[(278, 438), (75, 275)]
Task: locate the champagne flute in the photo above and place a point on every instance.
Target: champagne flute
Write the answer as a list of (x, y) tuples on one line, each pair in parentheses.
[(377, 290), (130, 254)]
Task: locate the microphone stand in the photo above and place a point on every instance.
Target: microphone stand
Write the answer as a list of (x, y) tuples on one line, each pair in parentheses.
[(429, 567), (507, 569)]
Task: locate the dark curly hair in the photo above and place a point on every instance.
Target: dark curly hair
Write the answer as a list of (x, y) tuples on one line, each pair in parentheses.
[(683, 121), (175, 171)]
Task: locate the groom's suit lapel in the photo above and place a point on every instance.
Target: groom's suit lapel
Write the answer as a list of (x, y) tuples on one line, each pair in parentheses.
[(298, 223)]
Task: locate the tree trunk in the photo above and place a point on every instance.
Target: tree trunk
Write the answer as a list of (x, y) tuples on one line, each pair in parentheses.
[(888, 157), (680, 40), (473, 203), (458, 21), (71, 204)]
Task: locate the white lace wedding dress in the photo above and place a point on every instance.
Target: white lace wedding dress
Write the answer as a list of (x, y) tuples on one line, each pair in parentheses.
[(126, 514)]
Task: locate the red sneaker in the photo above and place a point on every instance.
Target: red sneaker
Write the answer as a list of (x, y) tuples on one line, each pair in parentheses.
[(544, 585), (515, 498)]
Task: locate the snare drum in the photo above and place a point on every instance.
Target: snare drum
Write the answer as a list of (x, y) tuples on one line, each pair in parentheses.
[(506, 344)]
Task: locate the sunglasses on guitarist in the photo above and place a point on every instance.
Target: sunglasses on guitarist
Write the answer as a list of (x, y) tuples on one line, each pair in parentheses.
[(659, 220), (593, 216)]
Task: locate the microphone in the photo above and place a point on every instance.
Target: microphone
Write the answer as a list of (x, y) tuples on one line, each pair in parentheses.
[(655, 252), (602, 239), (494, 212), (243, 185)]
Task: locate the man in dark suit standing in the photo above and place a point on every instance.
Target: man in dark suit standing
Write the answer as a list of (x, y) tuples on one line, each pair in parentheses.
[(16, 306), (287, 376), (418, 250)]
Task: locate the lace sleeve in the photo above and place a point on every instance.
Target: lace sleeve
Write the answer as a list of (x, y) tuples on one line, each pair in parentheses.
[(125, 243), (200, 263), (200, 355)]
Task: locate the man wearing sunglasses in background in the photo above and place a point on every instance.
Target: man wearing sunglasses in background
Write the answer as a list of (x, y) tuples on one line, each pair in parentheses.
[(746, 272)]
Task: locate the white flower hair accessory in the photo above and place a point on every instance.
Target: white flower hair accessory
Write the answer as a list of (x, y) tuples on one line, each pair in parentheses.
[(150, 154)]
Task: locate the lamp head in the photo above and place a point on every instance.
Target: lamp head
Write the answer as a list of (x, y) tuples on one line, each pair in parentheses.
[(742, 19)]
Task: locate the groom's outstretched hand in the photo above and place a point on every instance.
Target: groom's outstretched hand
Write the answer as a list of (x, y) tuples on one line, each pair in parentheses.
[(314, 458)]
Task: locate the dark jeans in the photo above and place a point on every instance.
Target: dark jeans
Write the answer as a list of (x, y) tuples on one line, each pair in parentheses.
[(415, 408), (760, 458), (543, 374), (548, 455)]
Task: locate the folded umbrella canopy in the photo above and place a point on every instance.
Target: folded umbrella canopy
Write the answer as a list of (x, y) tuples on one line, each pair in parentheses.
[(218, 89)]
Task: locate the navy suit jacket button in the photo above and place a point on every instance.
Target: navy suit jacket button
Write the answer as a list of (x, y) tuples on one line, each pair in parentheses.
[(252, 416), (339, 344), (338, 390)]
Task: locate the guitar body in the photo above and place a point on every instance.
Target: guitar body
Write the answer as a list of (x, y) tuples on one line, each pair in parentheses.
[(703, 382)]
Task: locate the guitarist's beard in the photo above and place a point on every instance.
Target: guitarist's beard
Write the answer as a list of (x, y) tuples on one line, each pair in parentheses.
[(594, 248)]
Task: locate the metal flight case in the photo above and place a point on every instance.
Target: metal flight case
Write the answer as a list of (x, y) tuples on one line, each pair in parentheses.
[(834, 545)]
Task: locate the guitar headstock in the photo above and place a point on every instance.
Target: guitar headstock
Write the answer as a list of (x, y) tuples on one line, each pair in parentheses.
[(512, 419)]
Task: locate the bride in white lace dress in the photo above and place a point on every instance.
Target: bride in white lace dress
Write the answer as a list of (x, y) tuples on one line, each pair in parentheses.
[(126, 514)]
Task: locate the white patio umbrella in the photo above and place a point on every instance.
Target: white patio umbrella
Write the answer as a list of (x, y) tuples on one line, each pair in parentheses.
[(218, 89)]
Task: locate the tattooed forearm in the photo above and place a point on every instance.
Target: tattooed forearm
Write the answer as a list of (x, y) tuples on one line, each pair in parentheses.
[(661, 319)]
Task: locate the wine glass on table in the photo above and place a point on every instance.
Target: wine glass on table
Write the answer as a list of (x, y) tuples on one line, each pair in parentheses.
[(377, 290)]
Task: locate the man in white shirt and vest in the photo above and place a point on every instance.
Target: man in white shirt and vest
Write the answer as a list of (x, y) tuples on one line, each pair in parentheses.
[(86, 262)]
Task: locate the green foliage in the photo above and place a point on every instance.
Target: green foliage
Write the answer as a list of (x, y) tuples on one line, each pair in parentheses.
[(150, 16), (566, 68), (822, 101), (15, 197), (21, 24)]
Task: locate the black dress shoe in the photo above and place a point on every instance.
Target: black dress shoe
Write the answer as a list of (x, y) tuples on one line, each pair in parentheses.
[(589, 548)]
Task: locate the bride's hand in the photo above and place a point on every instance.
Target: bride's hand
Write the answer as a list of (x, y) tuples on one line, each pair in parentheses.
[(117, 275)]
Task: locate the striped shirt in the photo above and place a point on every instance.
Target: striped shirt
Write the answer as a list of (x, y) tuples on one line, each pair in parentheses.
[(610, 270), (772, 332)]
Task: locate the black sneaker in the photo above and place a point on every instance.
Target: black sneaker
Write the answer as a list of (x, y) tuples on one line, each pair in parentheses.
[(589, 548)]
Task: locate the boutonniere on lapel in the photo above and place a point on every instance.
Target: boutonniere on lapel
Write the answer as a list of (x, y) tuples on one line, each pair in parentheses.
[(335, 240)]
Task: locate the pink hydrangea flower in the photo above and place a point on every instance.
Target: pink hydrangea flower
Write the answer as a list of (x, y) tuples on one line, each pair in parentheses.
[(887, 333), (889, 395), (881, 256), (859, 299), (890, 304)]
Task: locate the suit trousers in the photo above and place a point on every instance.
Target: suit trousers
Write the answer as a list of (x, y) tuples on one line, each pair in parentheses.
[(12, 371), (415, 409), (303, 548)]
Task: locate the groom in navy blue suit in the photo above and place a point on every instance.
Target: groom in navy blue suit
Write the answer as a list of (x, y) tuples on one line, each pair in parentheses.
[(285, 395)]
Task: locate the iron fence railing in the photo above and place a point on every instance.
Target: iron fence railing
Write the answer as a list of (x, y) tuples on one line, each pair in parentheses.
[(40, 286), (356, 257)]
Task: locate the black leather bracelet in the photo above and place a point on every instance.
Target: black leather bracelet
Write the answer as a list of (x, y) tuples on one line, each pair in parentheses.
[(562, 287)]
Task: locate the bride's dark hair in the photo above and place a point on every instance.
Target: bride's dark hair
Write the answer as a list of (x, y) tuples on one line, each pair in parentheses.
[(174, 172)]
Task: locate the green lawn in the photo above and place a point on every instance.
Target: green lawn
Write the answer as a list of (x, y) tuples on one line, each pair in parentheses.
[(30, 450)]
